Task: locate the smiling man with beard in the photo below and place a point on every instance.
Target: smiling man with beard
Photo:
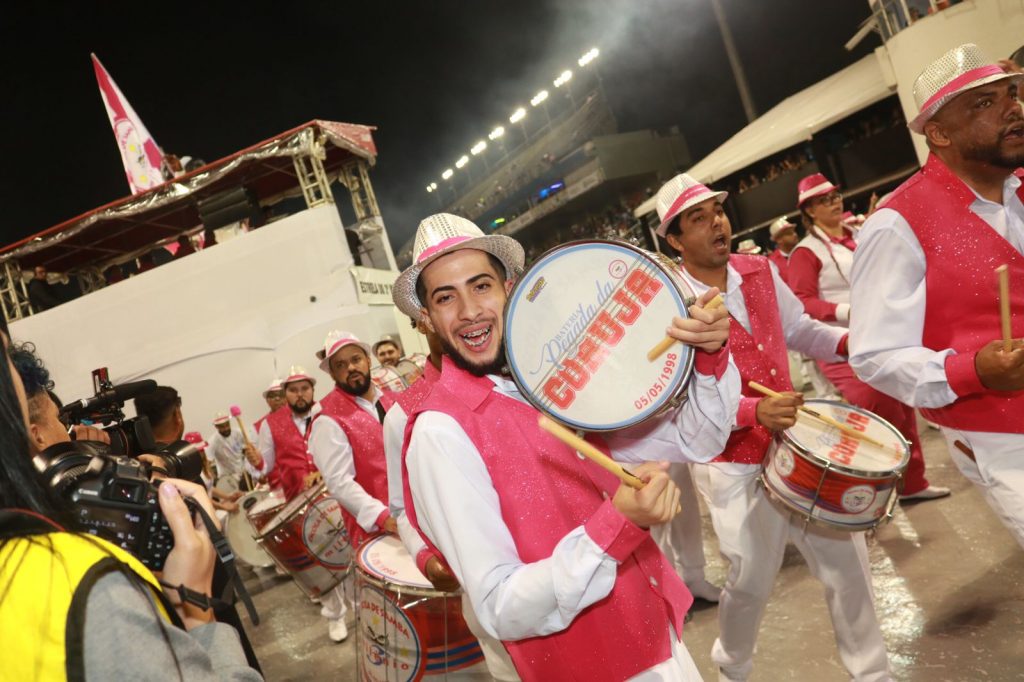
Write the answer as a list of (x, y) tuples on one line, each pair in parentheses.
[(553, 553), (927, 317), (347, 444)]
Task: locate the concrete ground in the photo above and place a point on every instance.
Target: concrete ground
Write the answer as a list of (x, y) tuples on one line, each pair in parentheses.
[(949, 582)]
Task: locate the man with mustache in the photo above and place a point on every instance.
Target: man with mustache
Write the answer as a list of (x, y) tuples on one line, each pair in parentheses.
[(347, 444), (283, 453), (927, 319), (553, 553)]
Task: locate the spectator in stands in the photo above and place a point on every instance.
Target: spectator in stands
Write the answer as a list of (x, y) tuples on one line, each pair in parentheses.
[(113, 274), (41, 294), (185, 247), (146, 262)]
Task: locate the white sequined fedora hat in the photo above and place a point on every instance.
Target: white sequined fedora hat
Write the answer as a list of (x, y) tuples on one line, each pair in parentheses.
[(959, 70), (441, 234), (679, 194), (335, 341)]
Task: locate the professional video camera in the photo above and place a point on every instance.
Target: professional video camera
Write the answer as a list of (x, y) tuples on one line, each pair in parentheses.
[(108, 488)]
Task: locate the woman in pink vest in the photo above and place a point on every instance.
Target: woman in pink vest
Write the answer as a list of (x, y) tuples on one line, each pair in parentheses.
[(928, 326), (819, 274)]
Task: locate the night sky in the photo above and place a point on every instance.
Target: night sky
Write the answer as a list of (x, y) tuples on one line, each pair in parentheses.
[(434, 77)]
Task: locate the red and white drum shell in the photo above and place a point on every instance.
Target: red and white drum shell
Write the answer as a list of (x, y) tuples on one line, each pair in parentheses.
[(406, 629), (387, 378), (307, 539), (579, 325), (831, 478)]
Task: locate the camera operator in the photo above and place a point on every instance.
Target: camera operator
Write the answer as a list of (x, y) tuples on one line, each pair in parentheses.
[(162, 407), (75, 606)]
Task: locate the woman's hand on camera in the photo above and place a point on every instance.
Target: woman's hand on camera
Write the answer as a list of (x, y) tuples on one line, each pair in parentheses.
[(190, 562)]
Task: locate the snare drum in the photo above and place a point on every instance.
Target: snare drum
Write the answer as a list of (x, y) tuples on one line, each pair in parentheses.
[(579, 325), (307, 538), (239, 530), (832, 479), (406, 629)]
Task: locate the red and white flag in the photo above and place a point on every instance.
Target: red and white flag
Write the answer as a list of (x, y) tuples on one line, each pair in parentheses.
[(141, 156)]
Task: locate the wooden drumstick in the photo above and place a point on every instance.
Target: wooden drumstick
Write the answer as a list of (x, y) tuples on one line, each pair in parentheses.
[(589, 451), (1003, 275), (236, 412), (592, 453), (668, 341), (853, 433)]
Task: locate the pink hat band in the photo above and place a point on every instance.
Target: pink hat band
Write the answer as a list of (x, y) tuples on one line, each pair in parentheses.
[(340, 343), (962, 80), (437, 248), (683, 198)]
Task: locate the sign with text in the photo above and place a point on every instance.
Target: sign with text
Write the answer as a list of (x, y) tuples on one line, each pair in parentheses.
[(373, 286)]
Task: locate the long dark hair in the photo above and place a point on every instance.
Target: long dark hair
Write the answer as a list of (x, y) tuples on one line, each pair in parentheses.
[(808, 222)]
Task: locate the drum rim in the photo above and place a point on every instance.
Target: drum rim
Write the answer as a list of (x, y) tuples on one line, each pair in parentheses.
[(686, 371), (383, 582), (794, 508), (247, 531), (811, 456), (271, 526)]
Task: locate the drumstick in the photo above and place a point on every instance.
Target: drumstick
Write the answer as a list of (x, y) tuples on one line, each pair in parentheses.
[(853, 433), (668, 341), (593, 454), (236, 412), (587, 450), (1003, 275)]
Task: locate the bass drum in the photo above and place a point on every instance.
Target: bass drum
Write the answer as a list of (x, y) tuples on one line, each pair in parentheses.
[(240, 532), (579, 325)]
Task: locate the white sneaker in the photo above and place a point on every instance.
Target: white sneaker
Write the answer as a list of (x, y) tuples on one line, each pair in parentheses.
[(932, 492), (702, 589), (336, 630)]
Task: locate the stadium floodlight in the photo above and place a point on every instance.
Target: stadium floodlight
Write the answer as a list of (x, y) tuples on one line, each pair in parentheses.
[(496, 133), (429, 188), (463, 160), (447, 174), (588, 56), (517, 115), (539, 97), (433, 186), (563, 78), (478, 148)]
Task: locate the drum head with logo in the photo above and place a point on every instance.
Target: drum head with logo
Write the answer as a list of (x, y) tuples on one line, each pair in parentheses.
[(579, 325), (385, 558), (829, 444)]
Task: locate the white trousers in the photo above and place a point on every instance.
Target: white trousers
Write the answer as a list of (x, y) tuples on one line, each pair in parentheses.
[(823, 388), (681, 540), (334, 603), (997, 469), (499, 665), (752, 534)]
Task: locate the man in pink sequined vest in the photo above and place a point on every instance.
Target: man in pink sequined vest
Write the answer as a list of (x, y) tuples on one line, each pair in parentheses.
[(552, 552), (928, 331), (752, 530)]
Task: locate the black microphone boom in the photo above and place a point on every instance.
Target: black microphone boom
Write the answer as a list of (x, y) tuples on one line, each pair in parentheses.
[(116, 394)]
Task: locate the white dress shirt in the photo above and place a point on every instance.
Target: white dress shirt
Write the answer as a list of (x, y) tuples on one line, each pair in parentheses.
[(803, 333), (888, 289), (333, 456), (265, 444), (458, 509), (229, 452), (394, 435)]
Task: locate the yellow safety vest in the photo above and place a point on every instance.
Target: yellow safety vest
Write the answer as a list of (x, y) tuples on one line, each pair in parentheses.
[(44, 584)]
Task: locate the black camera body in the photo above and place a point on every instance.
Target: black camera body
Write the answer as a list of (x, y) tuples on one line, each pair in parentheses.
[(111, 497)]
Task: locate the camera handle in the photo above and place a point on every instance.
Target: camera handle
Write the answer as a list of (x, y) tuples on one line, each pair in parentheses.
[(227, 559)]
